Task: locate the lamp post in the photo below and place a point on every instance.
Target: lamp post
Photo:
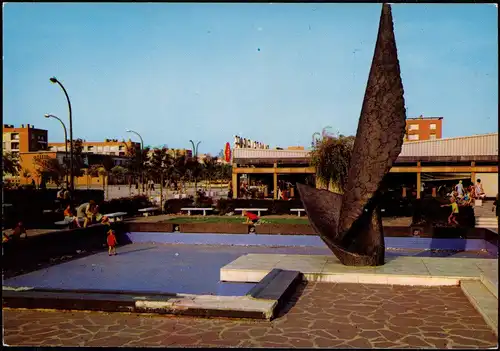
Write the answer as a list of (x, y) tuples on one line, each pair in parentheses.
[(323, 132), (195, 151), (142, 151), (313, 139), (54, 80), (65, 139)]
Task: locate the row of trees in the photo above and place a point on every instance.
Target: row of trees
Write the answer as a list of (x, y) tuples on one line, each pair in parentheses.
[(158, 165)]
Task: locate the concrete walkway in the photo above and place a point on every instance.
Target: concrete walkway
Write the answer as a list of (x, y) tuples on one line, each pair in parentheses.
[(320, 315), (482, 274)]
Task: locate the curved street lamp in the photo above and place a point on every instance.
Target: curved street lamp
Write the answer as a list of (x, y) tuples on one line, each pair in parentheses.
[(65, 139), (142, 151), (323, 132), (54, 80), (195, 151), (314, 139)]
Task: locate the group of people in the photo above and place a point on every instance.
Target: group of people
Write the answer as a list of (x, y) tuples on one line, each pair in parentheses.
[(90, 212), (464, 196)]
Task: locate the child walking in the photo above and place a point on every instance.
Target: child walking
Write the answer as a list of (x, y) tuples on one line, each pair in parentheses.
[(454, 211), (111, 240)]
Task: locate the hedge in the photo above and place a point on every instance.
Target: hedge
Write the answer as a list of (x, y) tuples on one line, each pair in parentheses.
[(28, 204), (174, 206), (131, 205)]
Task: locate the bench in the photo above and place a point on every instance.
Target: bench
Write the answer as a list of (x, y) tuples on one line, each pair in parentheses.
[(116, 216), (259, 210), (204, 209), (64, 222), (298, 210), (148, 211)]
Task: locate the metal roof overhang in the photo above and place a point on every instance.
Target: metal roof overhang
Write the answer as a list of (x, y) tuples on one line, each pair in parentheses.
[(402, 159)]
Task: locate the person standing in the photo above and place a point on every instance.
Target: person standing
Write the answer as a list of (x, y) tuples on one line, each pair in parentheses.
[(454, 211), (459, 188), (495, 206)]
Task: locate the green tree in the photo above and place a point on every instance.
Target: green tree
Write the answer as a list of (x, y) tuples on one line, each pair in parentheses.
[(10, 164), (331, 157), (49, 168), (118, 173), (210, 170)]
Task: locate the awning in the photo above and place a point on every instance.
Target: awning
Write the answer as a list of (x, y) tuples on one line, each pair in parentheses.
[(429, 177)]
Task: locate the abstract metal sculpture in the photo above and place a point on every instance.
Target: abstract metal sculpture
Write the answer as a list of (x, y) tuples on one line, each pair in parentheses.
[(350, 224)]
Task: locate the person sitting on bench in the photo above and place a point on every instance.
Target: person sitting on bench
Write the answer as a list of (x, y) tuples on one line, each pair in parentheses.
[(69, 216)]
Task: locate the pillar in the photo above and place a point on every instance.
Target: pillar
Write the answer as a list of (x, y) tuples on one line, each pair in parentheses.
[(473, 174), (292, 192), (419, 181), (235, 182), (434, 193), (404, 192), (275, 181)]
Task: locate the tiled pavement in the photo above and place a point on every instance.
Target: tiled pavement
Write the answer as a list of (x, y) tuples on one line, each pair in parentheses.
[(319, 315)]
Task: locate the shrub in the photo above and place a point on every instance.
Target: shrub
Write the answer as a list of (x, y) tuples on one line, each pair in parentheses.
[(275, 207), (175, 205), (125, 204)]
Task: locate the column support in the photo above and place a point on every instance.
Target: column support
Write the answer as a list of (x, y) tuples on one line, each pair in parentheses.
[(275, 181), (235, 181), (419, 180)]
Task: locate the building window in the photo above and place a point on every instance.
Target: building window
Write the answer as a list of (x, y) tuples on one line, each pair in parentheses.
[(413, 127), (14, 146), (90, 148), (433, 126), (14, 136), (433, 136), (121, 148), (413, 137)]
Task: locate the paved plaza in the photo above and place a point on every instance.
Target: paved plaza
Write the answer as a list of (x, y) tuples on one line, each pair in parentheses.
[(318, 315)]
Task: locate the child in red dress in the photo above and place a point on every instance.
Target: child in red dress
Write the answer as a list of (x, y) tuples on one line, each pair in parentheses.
[(111, 240)]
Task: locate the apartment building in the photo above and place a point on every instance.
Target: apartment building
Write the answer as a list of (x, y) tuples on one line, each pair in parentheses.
[(424, 128), (113, 147), (26, 138)]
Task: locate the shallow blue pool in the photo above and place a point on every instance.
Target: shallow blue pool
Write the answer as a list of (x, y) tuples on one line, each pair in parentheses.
[(191, 263)]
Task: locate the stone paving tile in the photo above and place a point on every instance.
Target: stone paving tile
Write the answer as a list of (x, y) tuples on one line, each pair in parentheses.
[(318, 315)]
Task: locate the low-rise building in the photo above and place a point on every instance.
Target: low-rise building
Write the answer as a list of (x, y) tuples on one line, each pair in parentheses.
[(473, 157)]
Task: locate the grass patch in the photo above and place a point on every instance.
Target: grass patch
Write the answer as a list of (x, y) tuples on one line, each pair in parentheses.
[(235, 219)]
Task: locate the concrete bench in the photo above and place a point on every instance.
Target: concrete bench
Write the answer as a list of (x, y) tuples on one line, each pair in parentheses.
[(116, 216), (65, 222), (298, 210), (148, 211), (259, 210), (204, 209)]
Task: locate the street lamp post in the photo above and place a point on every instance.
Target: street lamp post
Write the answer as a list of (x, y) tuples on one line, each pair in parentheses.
[(314, 139), (142, 151), (54, 80), (65, 140), (195, 151), (323, 132)]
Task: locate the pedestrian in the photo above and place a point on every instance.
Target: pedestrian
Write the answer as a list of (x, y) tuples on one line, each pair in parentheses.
[(495, 206), (459, 188), (111, 240), (454, 211)]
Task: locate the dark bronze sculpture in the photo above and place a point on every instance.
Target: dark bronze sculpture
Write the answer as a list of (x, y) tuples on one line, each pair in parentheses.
[(350, 224)]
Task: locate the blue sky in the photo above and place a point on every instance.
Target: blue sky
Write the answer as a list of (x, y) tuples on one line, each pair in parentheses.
[(275, 73)]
